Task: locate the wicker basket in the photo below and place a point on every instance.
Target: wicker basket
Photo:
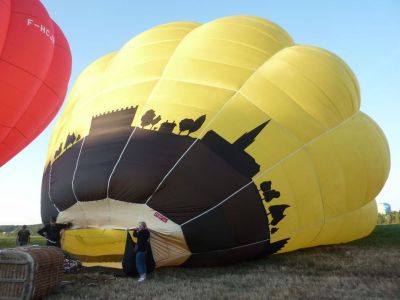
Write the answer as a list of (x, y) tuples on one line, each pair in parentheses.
[(30, 272)]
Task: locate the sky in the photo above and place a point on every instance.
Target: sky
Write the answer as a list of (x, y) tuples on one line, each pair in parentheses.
[(365, 34)]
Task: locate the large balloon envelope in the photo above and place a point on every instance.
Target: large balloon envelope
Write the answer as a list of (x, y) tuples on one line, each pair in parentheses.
[(35, 66), (228, 139)]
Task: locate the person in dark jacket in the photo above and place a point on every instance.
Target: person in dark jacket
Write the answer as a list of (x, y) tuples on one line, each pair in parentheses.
[(23, 236), (143, 235), (52, 232)]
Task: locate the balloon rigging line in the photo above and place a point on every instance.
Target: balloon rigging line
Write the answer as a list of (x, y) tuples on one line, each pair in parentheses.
[(113, 170), (76, 168), (119, 158), (237, 247), (51, 200)]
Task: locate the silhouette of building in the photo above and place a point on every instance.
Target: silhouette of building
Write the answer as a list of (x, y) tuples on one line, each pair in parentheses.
[(114, 120), (249, 137), (167, 127), (234, 154)]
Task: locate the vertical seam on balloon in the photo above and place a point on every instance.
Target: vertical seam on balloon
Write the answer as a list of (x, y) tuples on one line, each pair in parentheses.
[(270, 25), (271, 168), (148, 98), (318, 88), (76, 168), (320, 195), (349, 72), (73, 180), (297, 104), (51, 200), (117, 162)]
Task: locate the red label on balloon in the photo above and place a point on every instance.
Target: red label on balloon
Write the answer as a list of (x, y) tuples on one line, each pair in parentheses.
[(161, 217)]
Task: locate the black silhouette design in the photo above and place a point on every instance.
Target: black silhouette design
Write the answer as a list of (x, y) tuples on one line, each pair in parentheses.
[(101, 123), (267, 192), (274, 229), (235, 153), (249, 137), (153, 165), (275, 211), (149, 118), (155, 121), (191, 125), (71, 138), (69, 141), (167, 127), (58, 151), (112, 120)]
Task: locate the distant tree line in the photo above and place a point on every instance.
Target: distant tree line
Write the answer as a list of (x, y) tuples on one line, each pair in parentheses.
[(391, 218), (11, 230)]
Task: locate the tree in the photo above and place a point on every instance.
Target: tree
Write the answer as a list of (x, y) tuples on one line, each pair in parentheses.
[(155, 121), (197, 124), (391, 218), (191, 125), (148, 118), (267, 192), (185, 124)]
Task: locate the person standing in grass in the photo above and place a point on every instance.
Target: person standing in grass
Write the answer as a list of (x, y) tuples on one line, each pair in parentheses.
[(52, 232), (23, 236), (143, 235)]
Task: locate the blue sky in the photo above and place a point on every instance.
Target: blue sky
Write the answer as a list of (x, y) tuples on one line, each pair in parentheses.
[(366, 34)]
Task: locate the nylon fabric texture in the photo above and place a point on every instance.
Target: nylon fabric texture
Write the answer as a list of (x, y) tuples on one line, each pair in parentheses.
[(35, 67), (228, 139)]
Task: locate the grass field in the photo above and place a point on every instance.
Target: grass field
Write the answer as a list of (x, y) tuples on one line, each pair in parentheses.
[(9, 241), (365, 269)]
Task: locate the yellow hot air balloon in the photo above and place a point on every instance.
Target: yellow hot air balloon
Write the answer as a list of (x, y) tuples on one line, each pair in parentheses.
[(228, 139)]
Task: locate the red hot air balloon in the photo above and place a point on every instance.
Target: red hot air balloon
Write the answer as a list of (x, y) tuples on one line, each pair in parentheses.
[(35, 66)]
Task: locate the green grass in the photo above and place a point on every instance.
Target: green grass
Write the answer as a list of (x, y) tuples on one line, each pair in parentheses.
[(9, 241), (383, 235), (368, 268)]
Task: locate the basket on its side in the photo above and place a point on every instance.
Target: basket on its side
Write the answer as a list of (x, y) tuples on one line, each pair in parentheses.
[(30, 272)]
